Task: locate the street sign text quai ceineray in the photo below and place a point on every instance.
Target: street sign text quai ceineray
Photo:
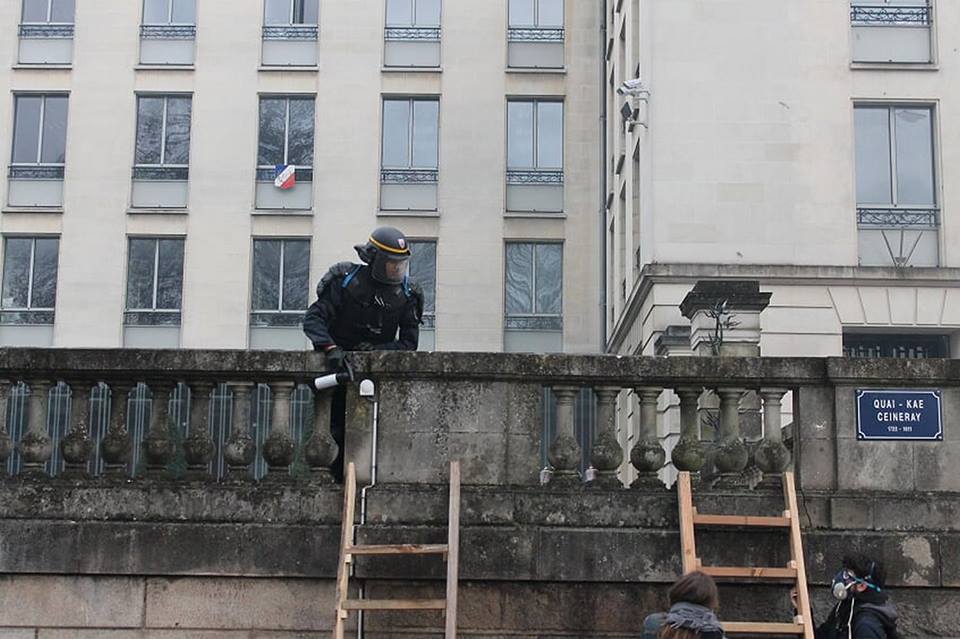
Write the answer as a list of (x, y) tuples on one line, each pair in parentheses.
[(907, 414)]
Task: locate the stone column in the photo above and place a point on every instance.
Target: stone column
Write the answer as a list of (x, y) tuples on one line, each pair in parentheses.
[(279, 448), (731, 453), (240, 449), (772, 456), (6, 444), (689, 453), (320, 451), (725, 317), (198, 447), (564, 453), (115, 447), (648, 455), (77, 446), (606, 456), (158, 446), (35, 446)]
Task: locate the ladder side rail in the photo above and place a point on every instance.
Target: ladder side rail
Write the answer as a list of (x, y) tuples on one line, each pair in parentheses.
[(453, 551), (688, 543), (796, 553), (346, 541)]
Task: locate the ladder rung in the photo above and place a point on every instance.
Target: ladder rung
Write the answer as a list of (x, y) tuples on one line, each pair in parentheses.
[(741, 520), (394, 604), (750, 572), (762, 626), (399, 549)]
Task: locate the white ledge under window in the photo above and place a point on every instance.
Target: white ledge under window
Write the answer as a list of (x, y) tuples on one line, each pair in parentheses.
[(553, 215), (283, 212), (296, 68), (407, 213), (411, 69), (50, 210), (895, 66), (164, 67), (33, 66), (548, 70), (156, 211)]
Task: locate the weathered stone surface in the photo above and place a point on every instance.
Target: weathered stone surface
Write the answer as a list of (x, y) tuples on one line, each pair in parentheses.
[(950, 560), (851, 513), (910, 559), (69, 601), (876, 465)]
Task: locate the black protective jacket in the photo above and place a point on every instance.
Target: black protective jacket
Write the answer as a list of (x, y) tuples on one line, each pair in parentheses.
[(868, 615), (352, 308)]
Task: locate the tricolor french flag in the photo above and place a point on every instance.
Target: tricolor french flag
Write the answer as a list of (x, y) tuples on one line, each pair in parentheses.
[(285, 176)]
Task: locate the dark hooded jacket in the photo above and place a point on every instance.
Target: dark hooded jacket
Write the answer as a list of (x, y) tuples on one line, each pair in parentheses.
[(868, 615), (352, 308)]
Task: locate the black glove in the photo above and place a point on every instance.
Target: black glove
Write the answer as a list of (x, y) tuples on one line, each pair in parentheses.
[(336, 357), (364, 346)]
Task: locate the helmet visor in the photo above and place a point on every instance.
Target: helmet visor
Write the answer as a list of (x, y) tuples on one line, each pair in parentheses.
[(389, 269)]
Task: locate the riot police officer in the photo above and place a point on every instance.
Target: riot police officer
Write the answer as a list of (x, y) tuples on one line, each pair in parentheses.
[(364, 307)]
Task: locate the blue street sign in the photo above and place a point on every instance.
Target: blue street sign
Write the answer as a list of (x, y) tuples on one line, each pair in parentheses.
[(899, 414)]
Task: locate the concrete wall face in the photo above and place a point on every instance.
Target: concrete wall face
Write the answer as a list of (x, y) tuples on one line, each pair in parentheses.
[(342, 203), (744, 153)]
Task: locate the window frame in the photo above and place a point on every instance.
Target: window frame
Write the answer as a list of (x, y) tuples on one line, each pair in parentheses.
[(267, 314), (534, 315), (156, 239), (169, 22), (414, 23), (411, 128), (163, 131), (48, 21), (536, 17), (31, 274), (886, 342), (286, 97), (40, 128), (429, 315), (290, 22), (535, 143)]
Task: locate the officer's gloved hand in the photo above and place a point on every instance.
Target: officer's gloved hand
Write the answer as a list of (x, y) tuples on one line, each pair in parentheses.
[(364, 346), (336, 358)]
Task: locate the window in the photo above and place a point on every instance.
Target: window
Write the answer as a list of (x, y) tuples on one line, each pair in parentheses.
[(423, 271), (409, 155), (412, 33), (290, 12), (29, 290), (39, 150), (535, 155), (162, 153), (168, 32), (48, 12), (899, 346), (169, 12), (286, 139), (281, 284), (896, 185), (46, 32), (290, 32), (534, 285), (535, 34), (154, 281), (892, 32)]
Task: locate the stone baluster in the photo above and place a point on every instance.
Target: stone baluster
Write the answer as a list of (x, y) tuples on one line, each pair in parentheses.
[(36, 447), (731, 452), (158, 446), (689, 453), (564, 453), (198, 447), (320, 450), (6, 444), (241, 448), (606, 456), (772, 457), (648, 455), (115, 447), (77, 447), (279, 449)]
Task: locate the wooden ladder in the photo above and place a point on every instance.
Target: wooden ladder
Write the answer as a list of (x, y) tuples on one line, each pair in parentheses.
[(348, 550), (794, 571)]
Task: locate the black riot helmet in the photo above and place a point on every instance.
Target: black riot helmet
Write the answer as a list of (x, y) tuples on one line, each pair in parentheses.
[(387, 253)]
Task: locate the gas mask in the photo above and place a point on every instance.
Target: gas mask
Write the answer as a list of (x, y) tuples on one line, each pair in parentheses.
[(844, 580)]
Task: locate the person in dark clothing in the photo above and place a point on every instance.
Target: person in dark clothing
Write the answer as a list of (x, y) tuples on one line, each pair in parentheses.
[(693, 601), (365, 307), (864, 610)]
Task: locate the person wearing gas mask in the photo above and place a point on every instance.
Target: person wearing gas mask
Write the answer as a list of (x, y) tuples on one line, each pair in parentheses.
[(365, 307), (864, 610)]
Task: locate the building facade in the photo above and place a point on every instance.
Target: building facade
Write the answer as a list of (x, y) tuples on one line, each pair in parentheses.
[(183, 172), (805, 145)]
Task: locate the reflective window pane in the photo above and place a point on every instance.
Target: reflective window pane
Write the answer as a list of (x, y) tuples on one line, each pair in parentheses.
[(184, 12), (26, 129), (16, 272), (549, 284), (396, 135), (426, 114), (300, 150), (914, 135), (156, 11), (149, 129), (520, 134), (519, 279), (550, 13), (62, 11), (522, 13), (35, 10), (399, 13), (872, 141), (423, 271), (266, 275), (141, 260), (177, 149), (170, 274), (311, 11), (427, 13), (276, 12), (54, 130), (296, 274), (550, 135), (273, 114), (45, 273)]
